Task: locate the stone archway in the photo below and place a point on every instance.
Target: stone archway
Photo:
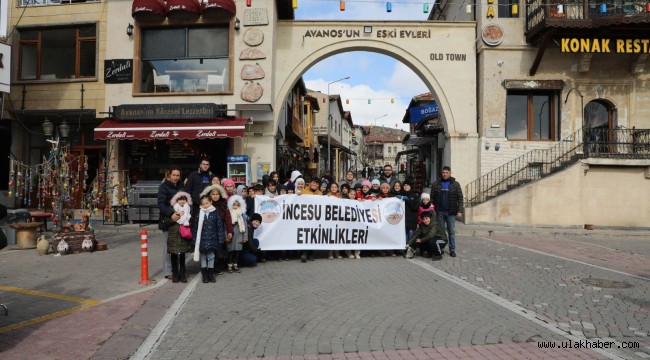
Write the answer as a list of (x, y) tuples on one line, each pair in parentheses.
[(443, 55)]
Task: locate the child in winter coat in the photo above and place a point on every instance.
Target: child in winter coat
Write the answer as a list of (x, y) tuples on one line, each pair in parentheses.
[(425, 205), (428, 237), (210, 237), (237, 208), (182, 203), (177, 246)]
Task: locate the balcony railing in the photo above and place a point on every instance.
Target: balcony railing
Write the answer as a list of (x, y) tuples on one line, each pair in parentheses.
[(539, 10), (536, 164), (53, 2)]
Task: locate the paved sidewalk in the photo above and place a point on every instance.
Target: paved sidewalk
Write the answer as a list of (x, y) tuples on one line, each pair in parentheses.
[(331, 309)]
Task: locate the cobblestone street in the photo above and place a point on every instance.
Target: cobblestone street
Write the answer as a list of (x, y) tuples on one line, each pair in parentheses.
[(492, 294)]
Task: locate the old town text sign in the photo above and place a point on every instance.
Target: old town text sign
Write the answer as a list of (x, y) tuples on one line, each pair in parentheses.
[(618, 46), (168, 111)]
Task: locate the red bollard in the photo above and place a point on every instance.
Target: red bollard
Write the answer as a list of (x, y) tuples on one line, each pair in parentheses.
[(145, 259)]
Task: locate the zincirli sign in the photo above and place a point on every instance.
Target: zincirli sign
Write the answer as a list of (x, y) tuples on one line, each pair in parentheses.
[(492, 35)]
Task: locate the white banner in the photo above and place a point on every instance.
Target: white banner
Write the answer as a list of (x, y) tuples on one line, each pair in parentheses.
[(310, 222)]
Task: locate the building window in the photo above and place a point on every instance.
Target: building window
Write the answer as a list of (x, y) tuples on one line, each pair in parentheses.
[(58, 53), (532, 115), (389, 149), (507, 10), (185, 59)]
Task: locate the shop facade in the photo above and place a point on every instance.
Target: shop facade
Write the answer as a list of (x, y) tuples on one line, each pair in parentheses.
[(561, 86)]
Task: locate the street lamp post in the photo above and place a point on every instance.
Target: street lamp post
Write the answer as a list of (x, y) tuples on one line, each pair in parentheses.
[(585, 129), (377, 118), (329, 116)]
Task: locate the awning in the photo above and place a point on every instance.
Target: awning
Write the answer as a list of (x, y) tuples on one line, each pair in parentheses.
[(148, 10), (183, 9), (223, 9), (217, 128), (419, 141)]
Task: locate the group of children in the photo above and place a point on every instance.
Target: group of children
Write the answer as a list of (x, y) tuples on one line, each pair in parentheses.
[(225, 223), (220, 229)]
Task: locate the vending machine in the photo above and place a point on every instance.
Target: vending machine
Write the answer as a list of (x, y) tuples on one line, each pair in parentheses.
[(238, 168)]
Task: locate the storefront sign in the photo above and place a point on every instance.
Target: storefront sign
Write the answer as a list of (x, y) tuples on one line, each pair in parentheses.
[(5, 68), (304, 222), (418, 113), (492, 35), (118, 71), (490, 9), (320, 130), (237, 158), (168, 111), (619, 46), (380, 34)]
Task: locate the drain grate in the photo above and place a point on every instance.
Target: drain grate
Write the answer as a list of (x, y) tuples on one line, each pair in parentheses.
[(605, 283)]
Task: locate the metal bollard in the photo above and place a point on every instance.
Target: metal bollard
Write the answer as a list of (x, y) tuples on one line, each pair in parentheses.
[(145, 259)]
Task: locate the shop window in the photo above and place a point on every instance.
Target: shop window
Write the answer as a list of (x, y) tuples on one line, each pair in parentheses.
[(185, 59), (58, 53), (508, 8), (532, 116)]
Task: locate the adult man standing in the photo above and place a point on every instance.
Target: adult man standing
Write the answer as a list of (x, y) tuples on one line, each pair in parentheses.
[(448, 200), (197, 181), (349, 179), (388, 176)]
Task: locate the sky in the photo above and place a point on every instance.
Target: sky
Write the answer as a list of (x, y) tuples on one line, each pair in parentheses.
[(373, 76)]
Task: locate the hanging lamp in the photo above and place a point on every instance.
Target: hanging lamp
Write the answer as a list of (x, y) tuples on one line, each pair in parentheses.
[(294, 4), (515, 9), (389, 6), (425, 8), (342, 5)]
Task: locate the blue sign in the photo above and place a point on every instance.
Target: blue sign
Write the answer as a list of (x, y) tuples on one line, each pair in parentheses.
[(237, 158), (420, 112)]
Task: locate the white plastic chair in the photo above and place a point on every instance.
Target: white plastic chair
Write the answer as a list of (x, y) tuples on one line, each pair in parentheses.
[(217, 80), (162, 81)]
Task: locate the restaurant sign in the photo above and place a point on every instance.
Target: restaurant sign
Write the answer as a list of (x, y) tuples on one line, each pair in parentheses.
[(616, 46), (118, 71), (168, 111)]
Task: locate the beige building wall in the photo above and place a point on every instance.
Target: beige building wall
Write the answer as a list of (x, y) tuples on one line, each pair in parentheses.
[(44, 95), (603, 192), (259, 139), (445, 60), (512, 60)]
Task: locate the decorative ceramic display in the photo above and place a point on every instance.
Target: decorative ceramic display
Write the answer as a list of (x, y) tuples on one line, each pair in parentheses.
[(252, 72), (252, 92), (253, 37), (251, 54)]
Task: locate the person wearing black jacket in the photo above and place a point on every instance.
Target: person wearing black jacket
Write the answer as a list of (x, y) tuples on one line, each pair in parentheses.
[(167, 189), (448, 201), (411, 206), (197, 181)]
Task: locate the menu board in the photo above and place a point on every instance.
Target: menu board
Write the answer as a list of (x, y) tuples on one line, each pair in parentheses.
[(178, 151)]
